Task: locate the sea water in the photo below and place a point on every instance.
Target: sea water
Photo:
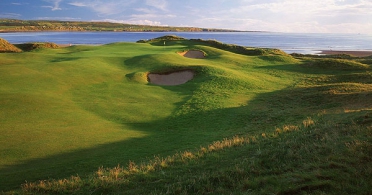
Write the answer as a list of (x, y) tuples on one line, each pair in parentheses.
[(306, 43)]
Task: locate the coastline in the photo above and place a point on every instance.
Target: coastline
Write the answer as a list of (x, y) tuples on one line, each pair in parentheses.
[(355, 53)]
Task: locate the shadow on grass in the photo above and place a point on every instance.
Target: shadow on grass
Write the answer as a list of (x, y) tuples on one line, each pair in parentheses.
[(185, 131), (64, 59)]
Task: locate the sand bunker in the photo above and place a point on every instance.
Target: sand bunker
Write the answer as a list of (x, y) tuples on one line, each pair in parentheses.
[(174, 78), (192, 54)]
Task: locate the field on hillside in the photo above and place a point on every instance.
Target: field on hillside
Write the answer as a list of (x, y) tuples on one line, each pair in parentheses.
[(255, 121)]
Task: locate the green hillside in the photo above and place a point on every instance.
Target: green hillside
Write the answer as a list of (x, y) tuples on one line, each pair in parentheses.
[(85, 120)]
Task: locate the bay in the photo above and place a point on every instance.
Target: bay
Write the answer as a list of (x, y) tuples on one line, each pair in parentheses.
[(305, 43)]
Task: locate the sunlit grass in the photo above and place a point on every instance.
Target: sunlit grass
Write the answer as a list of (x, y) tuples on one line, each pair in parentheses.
[(244, 124), (282, 161)]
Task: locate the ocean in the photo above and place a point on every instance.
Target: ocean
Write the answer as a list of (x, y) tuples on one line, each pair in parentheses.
[(305, 43)]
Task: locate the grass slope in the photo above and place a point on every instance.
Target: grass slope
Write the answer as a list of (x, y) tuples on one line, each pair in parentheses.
[(254, 124), (6, 47), (33, 46)]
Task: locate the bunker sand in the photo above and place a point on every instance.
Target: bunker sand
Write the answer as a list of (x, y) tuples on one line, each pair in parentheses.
[(177, 77), (192, 54)]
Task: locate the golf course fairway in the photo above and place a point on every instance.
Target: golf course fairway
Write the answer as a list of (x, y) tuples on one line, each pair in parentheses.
[(232, 120)]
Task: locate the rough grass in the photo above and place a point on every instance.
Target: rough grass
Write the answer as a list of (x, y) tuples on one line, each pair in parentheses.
[(266, 124), (33, 46), (309, 158), (6, 47), (240, 49), (338, 64)]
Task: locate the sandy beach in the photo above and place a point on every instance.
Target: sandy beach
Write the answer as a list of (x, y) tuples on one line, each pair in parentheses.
[(353, 53)]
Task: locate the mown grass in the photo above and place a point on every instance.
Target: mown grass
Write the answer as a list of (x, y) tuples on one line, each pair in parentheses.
[(265, 124)]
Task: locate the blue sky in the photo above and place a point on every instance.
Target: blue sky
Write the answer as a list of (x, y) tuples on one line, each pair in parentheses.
[(325, 16)]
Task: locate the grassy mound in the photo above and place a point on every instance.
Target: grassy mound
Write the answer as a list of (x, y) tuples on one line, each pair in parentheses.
[(162, 38), (240, 49), (338, 64), (33, 46), (5, 46), (336, 56), (245, 124), (160, 41)]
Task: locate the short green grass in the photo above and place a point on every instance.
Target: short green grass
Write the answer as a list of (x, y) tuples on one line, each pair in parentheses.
[(265, 124)]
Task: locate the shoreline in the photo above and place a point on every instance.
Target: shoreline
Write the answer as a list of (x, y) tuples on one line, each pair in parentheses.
[(356, 53)]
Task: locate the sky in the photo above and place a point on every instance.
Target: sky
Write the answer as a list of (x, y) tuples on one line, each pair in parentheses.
[(295, 16)]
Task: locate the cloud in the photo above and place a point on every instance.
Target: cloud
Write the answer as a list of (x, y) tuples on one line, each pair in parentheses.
[(302, 9), (289, 27), (152, 16), (19, 3), (108, 7), (145, 10), (159, 4), (265, 15), (350, 28), (58, 18), (78, 4), (150, 12), (10, 15), (128, 12), (289, 16), (138, 22), (147, 22), (55, 4)]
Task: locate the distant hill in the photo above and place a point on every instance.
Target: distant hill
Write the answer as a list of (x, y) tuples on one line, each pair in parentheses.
[(13, 25)]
